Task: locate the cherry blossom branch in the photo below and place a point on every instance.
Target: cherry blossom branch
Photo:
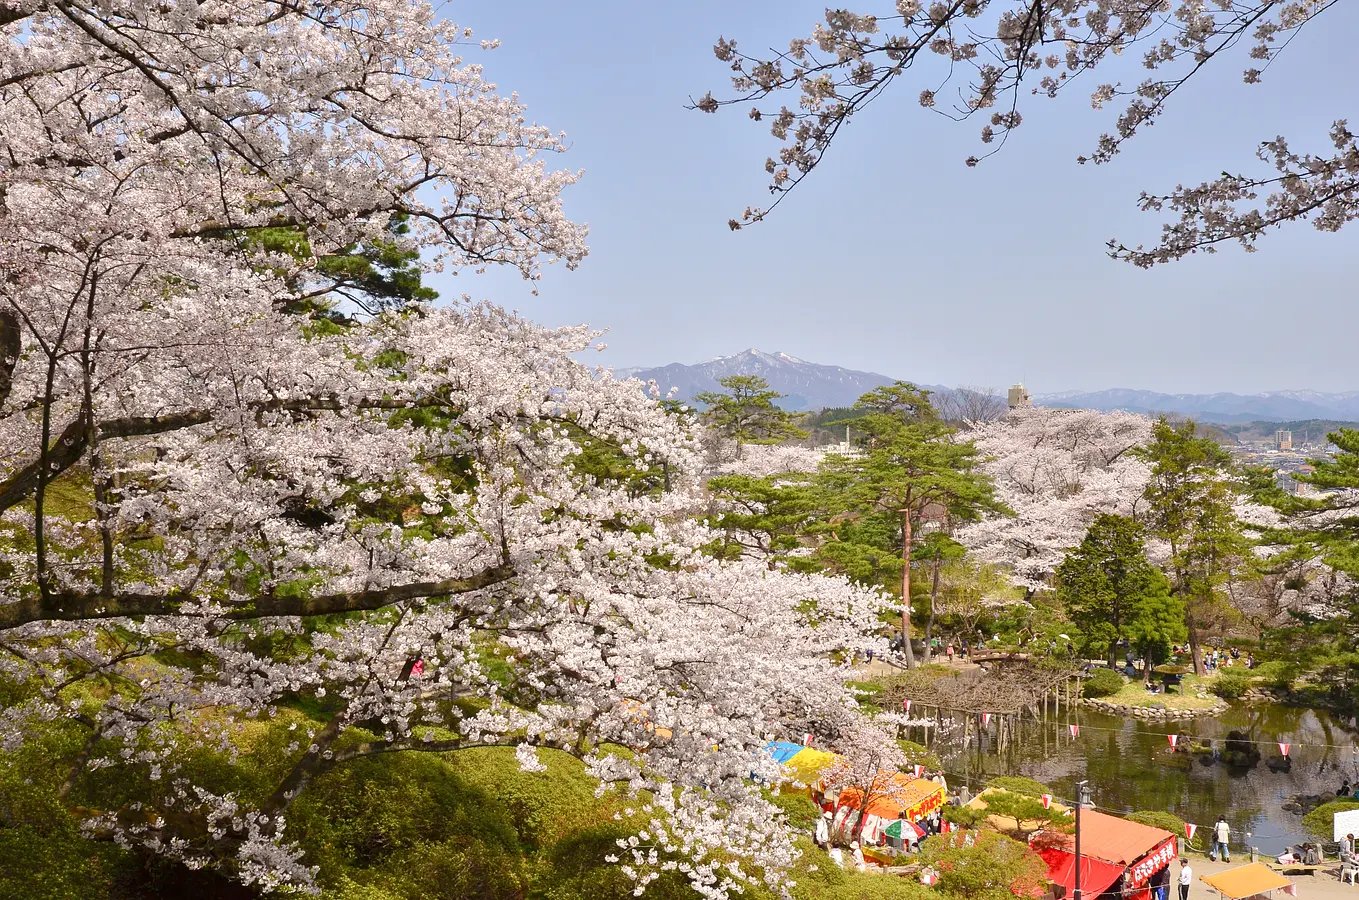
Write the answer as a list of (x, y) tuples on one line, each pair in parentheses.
[(72, 607)]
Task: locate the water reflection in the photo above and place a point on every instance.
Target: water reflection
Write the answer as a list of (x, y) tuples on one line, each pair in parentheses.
[(1130, 765)]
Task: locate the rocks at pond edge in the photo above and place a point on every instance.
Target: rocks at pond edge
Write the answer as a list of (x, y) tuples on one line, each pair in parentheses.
[(1154, 712)]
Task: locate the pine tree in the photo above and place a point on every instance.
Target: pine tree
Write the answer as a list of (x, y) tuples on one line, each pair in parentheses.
[(1107, 584), (1190, 499), (910, 462), (746, 412)]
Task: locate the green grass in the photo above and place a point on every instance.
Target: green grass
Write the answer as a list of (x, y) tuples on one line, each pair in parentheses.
[(1134, 693)]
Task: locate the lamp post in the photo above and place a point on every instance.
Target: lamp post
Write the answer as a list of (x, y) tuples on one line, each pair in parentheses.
[(1082, 794)]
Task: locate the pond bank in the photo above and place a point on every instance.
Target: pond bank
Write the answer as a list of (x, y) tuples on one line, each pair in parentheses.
[(1153, 711)]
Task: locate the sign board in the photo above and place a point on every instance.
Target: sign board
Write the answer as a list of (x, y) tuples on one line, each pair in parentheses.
[(926, 806), (1346, 822), (1152, 863)]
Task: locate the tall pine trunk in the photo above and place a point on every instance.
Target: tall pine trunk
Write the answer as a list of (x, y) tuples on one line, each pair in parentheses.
[(906, 587), (929, 623)]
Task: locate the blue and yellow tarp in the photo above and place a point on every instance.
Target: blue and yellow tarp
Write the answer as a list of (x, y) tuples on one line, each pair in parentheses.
[(804, 763)]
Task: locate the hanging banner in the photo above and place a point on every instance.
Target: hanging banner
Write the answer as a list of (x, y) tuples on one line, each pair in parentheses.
[(926, 806), (986, 719), (418, 668), (1074, 729), (807, 739), (1174, 739), (1283, 748), (1047, 801), (906, 707), (919, 770), (1189, 829), (1149, 865)]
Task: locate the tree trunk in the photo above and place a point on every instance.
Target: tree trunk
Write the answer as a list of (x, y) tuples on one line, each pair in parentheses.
[(929, 623), (1194, 650), (906, 588)]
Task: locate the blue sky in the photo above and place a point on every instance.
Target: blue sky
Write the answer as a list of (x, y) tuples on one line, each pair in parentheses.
[(894, 257)]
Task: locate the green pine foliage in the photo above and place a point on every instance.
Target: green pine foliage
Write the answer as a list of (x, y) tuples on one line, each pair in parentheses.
[(746, 412), (1112, 593)]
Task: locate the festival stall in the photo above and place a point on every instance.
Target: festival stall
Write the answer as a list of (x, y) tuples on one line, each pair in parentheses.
[(892, 797), (1122, 858), (1251, 880)]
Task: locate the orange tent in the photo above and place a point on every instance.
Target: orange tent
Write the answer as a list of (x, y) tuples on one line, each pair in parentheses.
[(1135, 852), (892, 794), (1113, 839)]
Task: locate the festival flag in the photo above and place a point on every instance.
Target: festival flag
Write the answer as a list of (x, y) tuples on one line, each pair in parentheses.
[(1174, 739), (1047, 801), (1189, 829), (1074, 729), (919, 770), (807, 739), (906, 707), (986, 719), (1283, 749)]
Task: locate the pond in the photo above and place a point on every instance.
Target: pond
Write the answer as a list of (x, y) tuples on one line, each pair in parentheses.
[(1130, 766)]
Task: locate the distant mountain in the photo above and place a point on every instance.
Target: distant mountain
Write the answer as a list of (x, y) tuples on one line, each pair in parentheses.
[(1270, 406), (806, 385)]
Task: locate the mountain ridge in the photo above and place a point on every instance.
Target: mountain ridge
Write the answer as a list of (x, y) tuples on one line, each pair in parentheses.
[(809, 385)]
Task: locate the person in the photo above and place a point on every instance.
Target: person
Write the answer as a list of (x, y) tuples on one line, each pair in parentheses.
[(1250, 660), (837, 856), (1186, 878), (1347, 845), (1221, 832), (823, 830), (949, 651), (858, 857)]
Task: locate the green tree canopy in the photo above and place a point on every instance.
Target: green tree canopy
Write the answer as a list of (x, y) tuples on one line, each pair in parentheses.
[(1113, 593), (909, 462), (746, 412), (1190, 498)]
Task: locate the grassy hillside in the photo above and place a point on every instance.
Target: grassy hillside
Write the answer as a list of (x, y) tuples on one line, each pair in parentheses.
[(462, 826)]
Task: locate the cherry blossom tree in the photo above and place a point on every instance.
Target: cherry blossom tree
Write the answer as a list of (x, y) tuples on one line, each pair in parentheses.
[(1057, 469), (226, 488), (990, 56)]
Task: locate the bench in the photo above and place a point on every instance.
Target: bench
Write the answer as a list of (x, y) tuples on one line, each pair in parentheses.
[(1312, 869)]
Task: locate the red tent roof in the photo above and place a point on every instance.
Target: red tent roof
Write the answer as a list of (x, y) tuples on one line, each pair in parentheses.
[(1096, 875), (1114, 840)]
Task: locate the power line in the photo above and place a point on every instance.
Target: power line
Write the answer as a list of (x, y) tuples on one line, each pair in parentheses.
[(1351, 746)]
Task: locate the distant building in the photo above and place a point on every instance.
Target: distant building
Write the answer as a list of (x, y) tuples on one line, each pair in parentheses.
[(1019, 397), (1283, 440)]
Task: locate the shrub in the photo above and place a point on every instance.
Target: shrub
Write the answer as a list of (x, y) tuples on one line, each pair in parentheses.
[(1018, 784), (994, 868), (1275, 673), (1103, 683), (1231, 684), (1318, 821), (1158, 819)]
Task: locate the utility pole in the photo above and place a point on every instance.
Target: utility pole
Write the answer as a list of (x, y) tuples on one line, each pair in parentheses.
[(1080, 801)]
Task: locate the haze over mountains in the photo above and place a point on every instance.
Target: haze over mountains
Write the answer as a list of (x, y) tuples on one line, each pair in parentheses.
[(808, 385)]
